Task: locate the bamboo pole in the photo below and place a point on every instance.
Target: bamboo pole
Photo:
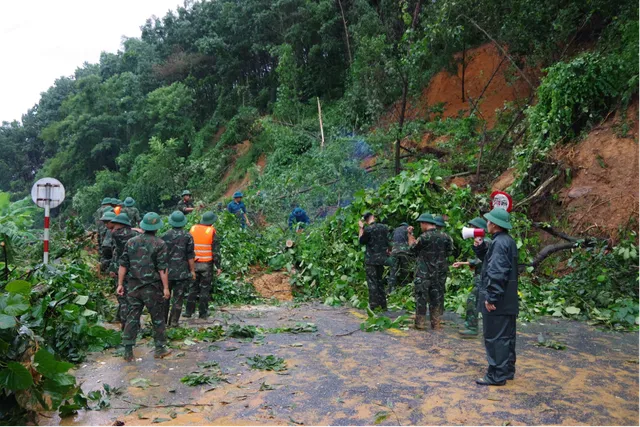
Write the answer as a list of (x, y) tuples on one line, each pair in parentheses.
[(321, 128)]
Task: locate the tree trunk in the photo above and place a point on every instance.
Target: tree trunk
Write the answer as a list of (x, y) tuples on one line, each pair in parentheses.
[(346, 32)]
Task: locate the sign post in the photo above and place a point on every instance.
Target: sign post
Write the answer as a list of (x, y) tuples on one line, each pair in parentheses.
[(47, 193)]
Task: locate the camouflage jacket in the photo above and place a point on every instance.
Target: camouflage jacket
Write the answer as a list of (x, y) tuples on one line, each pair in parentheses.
[(180, 247), (99, 224), (476, 263), (119, 239), (432, 250), (144, 257), (400, 240), (182, 205), (376, 237), (106, 250), (134, 215)]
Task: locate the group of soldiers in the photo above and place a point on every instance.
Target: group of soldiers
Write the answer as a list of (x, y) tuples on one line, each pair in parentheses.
[(157, 272), (495, 283)]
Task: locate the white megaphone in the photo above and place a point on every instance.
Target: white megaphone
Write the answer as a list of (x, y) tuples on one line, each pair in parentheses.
[(470, 233)]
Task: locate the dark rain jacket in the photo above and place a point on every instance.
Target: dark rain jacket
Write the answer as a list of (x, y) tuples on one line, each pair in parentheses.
[(499, 282)]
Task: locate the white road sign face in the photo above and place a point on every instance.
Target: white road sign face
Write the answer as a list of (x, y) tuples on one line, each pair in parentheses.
[(47, 189)]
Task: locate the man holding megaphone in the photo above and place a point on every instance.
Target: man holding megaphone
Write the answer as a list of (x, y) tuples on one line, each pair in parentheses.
[(476, 230)]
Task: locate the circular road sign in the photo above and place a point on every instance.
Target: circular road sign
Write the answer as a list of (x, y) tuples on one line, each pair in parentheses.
[(47, 190), (500, 199)]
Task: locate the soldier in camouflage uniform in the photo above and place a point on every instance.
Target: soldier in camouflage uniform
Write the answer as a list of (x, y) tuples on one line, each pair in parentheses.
[(132, 212), (432, 249), (106, 203), (400, 258), (376, 237), (106, 247), (144, 264), (181, 265), (185, 205), (120, 235), (207, 265), (471, 317)]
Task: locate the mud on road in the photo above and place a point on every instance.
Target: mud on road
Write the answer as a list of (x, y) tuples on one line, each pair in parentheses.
[(342, 376)]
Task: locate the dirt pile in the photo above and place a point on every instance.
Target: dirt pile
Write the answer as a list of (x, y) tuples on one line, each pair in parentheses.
[(603, 193), (273, 285)]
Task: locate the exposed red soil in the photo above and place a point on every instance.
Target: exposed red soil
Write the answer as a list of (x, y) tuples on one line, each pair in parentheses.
[(504, 181), (274, 285), (446, 88), (243, 183), (603, 195)]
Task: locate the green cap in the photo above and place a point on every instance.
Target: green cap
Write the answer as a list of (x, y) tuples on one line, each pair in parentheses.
[(128, 202), (426, 217), (186, 193), (114, 201), (208, 218), (499, 217), (106, 201), (237, 194), (479, 223), (122, 218), (439, 220), (118, 202), (108, 216), (151, 222), (177, 219)]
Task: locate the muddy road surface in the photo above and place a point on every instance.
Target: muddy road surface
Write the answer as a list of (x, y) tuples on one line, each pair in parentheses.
[(340, 375)]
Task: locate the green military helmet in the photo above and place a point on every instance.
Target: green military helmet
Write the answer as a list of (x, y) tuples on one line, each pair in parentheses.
[(129, 202), (177, 219), (118, 202), (426, 217), (123, 219), (108, 216), (106, 201), (151, 222), (438, 220), (114, 201), (208, 218), (499, 217), (479, 222), (186, 193)]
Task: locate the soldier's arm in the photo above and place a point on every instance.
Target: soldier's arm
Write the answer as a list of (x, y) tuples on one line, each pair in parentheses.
[(191, 256), (217, 257)]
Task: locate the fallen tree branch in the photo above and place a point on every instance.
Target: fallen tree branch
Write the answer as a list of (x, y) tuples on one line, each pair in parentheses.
[(551, 249), (549, 229), (539, 191)]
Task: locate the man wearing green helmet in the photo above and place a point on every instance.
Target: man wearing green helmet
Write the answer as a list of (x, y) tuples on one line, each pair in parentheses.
[(120, 235), (185, 205), (432, 250), (106, 203), (181, 266), (132, 212), (144, 264), (471, 317), (106, 247), (499, 298)]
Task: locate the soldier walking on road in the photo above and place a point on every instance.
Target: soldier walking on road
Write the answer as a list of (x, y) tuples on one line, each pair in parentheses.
[(132, 212), (181, 266), (499, 298), (207, 251), (120, 235), (471, 317), (400, 258), (106, 247), (432, 249), (376, 238), (144, 265)]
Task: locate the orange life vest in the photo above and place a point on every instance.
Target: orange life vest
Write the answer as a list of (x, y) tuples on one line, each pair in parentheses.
[(117, 210), (203, 236)]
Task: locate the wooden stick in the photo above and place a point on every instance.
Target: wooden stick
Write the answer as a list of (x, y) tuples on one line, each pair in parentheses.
[(321, 127)]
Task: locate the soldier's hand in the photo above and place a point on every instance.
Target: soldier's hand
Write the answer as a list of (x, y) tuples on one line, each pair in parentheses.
[(193, 275), (490, 307), (120, 290), (457, 264), (112, 275), (478, 241), (410, 229), (166, 294), (360, 224), (219, 272)]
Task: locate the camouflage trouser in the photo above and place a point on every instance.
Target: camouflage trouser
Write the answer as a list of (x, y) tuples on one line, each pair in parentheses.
[(149, 296), (178, 290), (471, 318), (400, 273), (430, 290), (377, 295), (200, 289)]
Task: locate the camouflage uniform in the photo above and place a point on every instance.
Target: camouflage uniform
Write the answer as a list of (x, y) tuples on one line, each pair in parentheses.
[(471, 317), (134, 215), (99, 224), (182, 205), (106, 250), (180, 246), (376, 237), (432, 249), (200, 290), (119, 238), (400, 258), (144, 257)]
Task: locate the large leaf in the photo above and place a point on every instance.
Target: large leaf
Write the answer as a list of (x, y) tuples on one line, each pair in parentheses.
[(15, 377), (14, 304), (81, 300), (7, 322), (19, 287), (48, 366)]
